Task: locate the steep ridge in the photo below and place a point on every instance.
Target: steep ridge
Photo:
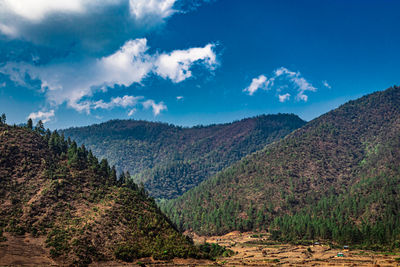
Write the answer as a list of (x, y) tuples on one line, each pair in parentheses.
[(170, 160), (72, 209), (337, 178)]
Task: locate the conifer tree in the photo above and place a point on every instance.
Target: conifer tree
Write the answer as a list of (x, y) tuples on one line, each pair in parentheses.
[(29, 124), (40, 127), (113, 174), (3, 119)]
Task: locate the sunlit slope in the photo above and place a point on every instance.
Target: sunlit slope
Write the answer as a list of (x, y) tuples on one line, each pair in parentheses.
[(336, 178)]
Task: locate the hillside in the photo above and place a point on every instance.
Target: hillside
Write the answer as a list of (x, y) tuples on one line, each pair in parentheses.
[(59, 203), (336, 178), (170, 160)]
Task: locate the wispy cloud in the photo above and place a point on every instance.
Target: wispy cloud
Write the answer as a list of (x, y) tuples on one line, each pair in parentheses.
[(179, 97), (301, 84), (125, 101), (157, 108), (261, 82), (45, 116), (282, 78), (8, 30), (284, 98), (326, 84), (131, 112)]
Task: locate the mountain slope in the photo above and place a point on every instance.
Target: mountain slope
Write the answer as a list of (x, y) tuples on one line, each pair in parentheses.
[(72, 208), (338, 177), (170, 160)]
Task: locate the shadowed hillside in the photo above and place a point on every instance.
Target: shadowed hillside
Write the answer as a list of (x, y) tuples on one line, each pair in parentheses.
[(338, 177), (72, 208), (170, 160)]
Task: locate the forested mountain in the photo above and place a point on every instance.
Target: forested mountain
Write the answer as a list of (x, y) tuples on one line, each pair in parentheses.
[(336, 178), (170, 160), (72, 208)]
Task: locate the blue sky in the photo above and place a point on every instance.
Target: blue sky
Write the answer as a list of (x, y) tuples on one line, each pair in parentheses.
[(191, 62)]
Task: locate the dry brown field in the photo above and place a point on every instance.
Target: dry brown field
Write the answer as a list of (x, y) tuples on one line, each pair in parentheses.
[(251, 249)]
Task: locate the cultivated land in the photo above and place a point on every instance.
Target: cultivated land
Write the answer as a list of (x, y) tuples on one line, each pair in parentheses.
[(251, 249), (256, 249)]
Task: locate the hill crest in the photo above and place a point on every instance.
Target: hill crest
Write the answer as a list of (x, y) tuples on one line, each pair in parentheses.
[(73, 208), (169, 159), (311, 174)]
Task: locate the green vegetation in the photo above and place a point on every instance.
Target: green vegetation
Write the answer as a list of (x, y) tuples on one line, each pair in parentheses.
[(3, 119), (52, 187), (170, 160), (337, 178), (215, 250)]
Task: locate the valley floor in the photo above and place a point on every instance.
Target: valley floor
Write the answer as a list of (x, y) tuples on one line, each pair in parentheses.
[(251, 249), (255, 249)]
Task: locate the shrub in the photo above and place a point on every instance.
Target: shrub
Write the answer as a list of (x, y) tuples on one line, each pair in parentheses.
[(127, 252)]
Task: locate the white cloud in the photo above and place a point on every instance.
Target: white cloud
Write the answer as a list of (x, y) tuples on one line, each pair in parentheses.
[(72, 83), (303, 86), (282, 77), (128, 65), (261, 82), (15, 72), (283, 98), (326, 84), (36, 10), (282, 71), (157, 108), (39, 21), (125, 101), (179, 97), (159, 8), (131, 112), (176, 65), (8, 30), (298, 81), (45, 116)]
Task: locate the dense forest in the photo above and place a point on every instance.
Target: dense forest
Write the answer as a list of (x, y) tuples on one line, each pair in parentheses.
[(337, 178), (74, 207), (170, 160)]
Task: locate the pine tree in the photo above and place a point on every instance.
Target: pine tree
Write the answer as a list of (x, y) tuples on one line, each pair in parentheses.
[(47, 135), (104, 168), (40, 127), (3, 119), (73, 159), (113, 174), (29, 124)]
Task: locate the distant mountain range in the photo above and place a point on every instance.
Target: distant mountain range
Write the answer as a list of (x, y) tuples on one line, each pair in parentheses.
[(170, 160), (336, 178)]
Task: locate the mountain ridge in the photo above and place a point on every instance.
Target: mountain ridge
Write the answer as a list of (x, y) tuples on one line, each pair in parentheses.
[(169, 159), (315, 164)]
